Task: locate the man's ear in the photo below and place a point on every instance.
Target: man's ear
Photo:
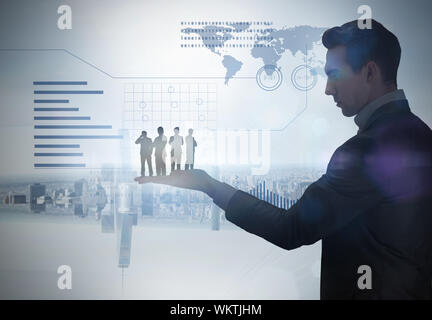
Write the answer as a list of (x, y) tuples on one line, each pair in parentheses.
[(371, 70)]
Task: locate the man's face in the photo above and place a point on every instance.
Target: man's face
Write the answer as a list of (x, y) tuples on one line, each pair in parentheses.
[(350, 90), (176, 131)]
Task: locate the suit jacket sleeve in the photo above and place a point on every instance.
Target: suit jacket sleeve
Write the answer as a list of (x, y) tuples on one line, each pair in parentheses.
[(331, 202), (137, 141)]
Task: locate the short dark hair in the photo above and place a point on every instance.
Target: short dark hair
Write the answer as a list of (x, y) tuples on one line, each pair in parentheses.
[(363, 45), (160, 130), (177, 128), (143, 132)]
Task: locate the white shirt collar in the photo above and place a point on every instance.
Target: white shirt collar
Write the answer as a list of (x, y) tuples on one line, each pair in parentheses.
[(363, 116)]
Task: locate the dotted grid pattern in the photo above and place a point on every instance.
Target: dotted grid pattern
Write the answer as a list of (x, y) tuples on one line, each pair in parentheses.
[(215, 34), (186, 105), (221, 23)]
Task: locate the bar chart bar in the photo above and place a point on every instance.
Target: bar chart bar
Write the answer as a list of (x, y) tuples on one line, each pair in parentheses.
[(61, 154), (61, 118), (76, 137), (55, 109), (56, 145), (59, 165), (58, 126), (68, 91), (59, 83), (50, 101)]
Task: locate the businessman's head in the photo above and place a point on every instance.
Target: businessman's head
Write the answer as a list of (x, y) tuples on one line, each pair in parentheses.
[(190, 131), (160, 131), (144, 133), (176, 130), (361, 64)]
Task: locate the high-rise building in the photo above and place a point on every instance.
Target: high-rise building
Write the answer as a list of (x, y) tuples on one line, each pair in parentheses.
[(37, 191), (78, 187), (147, 200)]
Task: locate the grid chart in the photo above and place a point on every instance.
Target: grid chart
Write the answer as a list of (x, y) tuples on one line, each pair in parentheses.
[(186, 105)]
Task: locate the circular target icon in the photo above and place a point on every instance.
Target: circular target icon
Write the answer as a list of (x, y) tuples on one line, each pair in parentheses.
[(303, 77), (269, 77), (142, 105)]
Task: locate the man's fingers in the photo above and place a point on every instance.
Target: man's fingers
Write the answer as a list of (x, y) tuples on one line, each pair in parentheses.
[(157, 179), (178, 173), (140, 179)]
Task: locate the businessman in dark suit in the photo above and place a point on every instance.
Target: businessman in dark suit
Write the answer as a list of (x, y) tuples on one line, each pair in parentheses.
[(146, 150), (372, 208)]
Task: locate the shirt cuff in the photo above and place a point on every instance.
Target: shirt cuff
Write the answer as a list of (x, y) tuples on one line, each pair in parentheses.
[(222, 194)]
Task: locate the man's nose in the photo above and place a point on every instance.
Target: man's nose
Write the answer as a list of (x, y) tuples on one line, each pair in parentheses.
[(330, 90)]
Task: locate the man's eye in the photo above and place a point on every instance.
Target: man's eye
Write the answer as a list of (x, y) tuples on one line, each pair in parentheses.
[(334, 75)]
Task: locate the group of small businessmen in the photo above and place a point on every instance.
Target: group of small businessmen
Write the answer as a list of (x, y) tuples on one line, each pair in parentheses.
[(176, 141), (372, 208)]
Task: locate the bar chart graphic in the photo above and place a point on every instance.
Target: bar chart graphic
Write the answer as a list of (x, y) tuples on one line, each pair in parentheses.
[(55, 117), (271, 196)]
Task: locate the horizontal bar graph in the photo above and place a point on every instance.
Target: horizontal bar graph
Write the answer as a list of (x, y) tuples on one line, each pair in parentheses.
[(71, 126), (59, 165), (61, 118), (54, 146), (59, 154), (55, 109), (51, 101), (68, 92), (59, 83), (77, 137)]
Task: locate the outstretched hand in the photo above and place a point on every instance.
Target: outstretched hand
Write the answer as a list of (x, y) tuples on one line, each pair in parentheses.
[(188, 179)]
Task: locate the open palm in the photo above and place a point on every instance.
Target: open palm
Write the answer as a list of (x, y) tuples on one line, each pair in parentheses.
[(188, 179)]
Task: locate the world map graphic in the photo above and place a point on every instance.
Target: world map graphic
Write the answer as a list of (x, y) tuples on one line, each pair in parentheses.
[(269, 46)]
